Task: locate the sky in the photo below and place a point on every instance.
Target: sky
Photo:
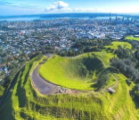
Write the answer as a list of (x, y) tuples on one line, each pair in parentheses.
[(24, 7)]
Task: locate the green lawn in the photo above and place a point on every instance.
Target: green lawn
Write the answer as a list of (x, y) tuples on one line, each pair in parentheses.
[(75, 73), (132, 38)]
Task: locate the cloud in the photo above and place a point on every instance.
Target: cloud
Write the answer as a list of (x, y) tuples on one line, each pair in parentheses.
[(59, 5), (63, 7)]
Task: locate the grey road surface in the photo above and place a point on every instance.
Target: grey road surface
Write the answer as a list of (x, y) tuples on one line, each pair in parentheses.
[(43, 86)]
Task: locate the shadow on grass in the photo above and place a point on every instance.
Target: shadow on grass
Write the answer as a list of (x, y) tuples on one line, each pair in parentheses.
[(21, 92), (21, 95), (6, 110), (93, 64), (112, 70), (27, 73), (23, 115), (95, 86), (135, 99)]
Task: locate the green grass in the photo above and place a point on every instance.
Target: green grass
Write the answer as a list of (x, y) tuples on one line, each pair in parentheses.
[(2, 89), (77, 72), (114, 45), (25, 103), (132, 38), (121, 101)]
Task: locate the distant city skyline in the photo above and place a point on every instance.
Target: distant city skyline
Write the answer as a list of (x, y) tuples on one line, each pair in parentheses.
[(24, 7)]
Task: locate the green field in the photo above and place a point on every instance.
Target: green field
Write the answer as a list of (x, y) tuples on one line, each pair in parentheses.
[(76, 72), (114, 45), (25, 103), (132, 38)]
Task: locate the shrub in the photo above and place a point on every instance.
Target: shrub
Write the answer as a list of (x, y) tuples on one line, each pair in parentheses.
[(128, 82)]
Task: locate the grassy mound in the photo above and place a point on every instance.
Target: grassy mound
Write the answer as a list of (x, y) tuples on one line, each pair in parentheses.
[(76, 73), (132, 38), (114, 45), (25, 103)]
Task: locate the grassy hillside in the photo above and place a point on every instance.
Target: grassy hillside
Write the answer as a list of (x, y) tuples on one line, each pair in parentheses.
[(25, 103), (114, 45), (77, 72), (132, 38)]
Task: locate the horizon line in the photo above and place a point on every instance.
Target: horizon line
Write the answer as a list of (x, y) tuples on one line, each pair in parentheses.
[(70, 13)]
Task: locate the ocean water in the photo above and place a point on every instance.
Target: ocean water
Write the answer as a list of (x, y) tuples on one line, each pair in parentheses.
[(59, 16), (25, 19), (51, 18)]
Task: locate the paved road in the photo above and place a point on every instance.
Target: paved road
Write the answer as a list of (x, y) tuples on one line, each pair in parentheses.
[(43, 86)]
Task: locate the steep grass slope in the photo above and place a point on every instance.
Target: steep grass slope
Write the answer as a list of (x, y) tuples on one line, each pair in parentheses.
[(25, 103)]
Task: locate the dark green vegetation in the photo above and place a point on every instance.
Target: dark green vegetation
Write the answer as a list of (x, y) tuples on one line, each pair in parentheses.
[(23, 102), (83, 46), (1, 91)]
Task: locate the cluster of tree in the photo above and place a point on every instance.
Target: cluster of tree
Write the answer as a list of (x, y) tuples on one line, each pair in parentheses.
[(102, 79), (135, 92), (71, 52), (127, 67), (136, 54), (123, 53), (87, 45), (83, 46)]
